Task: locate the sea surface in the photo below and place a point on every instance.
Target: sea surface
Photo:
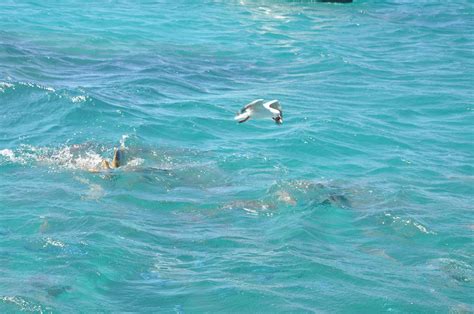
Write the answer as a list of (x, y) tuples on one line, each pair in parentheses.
[(361, 202)]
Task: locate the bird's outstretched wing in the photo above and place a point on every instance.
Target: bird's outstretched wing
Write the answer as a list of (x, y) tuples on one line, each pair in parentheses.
[(252, 105), (273, 105), (248, 109)]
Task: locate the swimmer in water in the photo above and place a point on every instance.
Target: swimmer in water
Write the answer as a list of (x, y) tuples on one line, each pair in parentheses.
[(115, 163)]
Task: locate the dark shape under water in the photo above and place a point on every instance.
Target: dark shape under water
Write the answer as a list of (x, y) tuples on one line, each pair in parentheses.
[(55, 291), (337, 200)]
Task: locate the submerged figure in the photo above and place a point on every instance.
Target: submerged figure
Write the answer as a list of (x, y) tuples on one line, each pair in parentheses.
[(337, 200)]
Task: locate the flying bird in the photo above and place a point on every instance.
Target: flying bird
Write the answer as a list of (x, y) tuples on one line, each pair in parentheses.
[(257, 109)]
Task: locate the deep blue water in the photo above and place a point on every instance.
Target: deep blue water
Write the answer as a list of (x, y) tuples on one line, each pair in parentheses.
[(362, 201)]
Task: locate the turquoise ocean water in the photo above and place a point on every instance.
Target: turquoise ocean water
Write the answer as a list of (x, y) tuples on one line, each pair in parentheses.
[(362, 201)]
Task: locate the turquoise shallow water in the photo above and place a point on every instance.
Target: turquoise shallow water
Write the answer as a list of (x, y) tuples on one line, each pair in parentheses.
[(362, 201)]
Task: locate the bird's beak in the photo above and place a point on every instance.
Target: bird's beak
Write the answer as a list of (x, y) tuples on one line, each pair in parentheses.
[(278, 120)]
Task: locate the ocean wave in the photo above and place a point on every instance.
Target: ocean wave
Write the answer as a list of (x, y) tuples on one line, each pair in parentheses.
[(4, 86), (404, 226), (454, 269), (360, 202)]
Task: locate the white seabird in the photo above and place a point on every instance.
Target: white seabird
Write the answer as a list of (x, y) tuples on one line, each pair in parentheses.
[(257, 109)]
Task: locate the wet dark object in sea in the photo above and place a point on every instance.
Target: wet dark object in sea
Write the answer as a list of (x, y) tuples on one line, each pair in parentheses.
[(55, 291), (337, 200)]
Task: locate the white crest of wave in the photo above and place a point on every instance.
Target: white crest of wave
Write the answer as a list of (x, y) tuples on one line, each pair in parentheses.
[(7, 153), (78, 99), (46, 88), (10, 156), (4, 86), (123, 140), (52, 242), (135, 162)]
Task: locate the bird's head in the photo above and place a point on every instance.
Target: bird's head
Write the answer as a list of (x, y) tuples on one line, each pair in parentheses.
[(279, 118)]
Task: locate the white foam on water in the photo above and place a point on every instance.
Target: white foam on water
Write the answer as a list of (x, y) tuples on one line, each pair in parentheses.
[(135, 162), (85, 162), (46, 88), (78, 99), (7, 153), (10, 156), (4, 86), (399, 223), (123, 140), (67, 157), (23, 304), (52, 242)]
